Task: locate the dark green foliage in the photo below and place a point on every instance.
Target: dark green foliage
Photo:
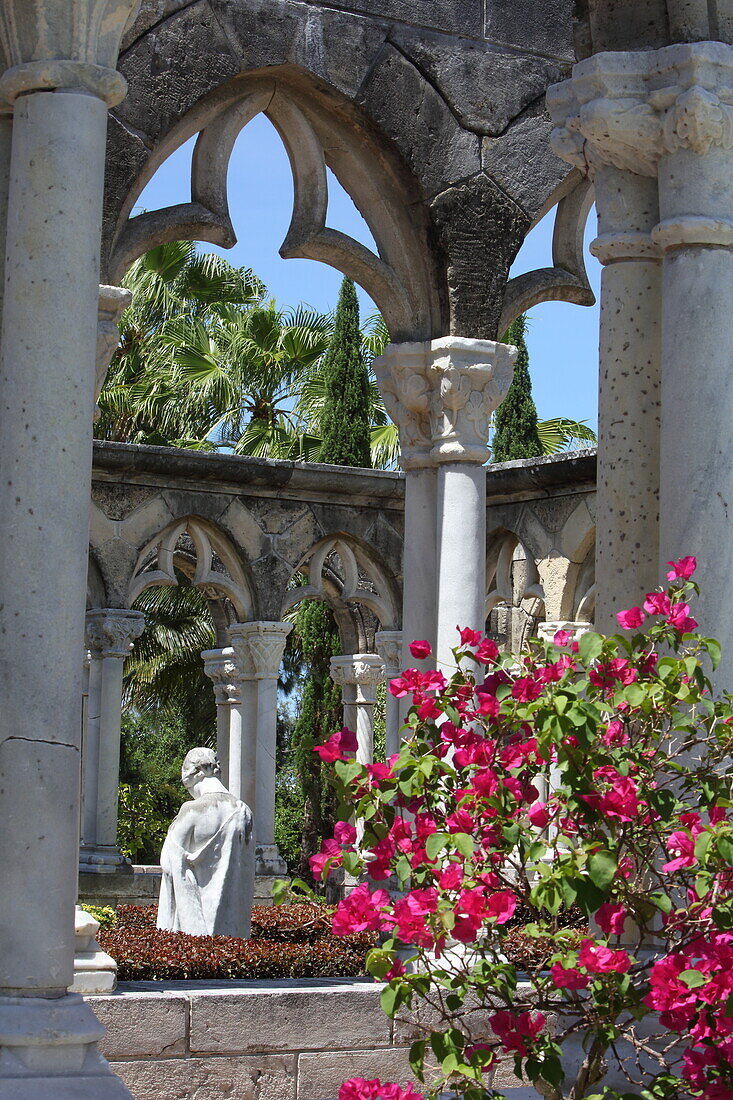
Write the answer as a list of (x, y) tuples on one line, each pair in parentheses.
[(516, 433), (152, 748), (345, 417), (292, 941), (318, 718)]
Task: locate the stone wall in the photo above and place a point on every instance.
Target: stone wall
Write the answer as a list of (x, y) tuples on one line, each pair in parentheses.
[(273, 515), (267, 1040)]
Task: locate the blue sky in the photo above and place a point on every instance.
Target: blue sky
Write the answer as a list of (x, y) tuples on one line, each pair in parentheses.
[(562, 338)]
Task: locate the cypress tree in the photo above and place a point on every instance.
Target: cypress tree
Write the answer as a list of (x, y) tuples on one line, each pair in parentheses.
[(345, 427), (346, 441), (515, 433)]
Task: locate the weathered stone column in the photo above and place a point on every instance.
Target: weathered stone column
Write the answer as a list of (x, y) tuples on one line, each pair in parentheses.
[(358, 674), (627, 527), (113, 301), (110, 633), (265, 645), (696, 234), (389, 649), (470, 380), (221, 669), (59, 80), (405, 388), (667, 114)]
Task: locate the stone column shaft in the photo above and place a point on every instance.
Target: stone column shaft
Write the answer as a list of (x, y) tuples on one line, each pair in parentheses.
[(358, 674), (236, 718), (109, 635), (264, 645), (389, 648), (627, 508), (46, 398)]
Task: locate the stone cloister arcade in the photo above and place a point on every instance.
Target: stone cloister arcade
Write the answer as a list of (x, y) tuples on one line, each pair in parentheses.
[(454, 126)]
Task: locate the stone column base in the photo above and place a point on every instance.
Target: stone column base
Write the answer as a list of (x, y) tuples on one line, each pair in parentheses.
[(48, 1048), (103, 860), (268, 861), (94, 970)]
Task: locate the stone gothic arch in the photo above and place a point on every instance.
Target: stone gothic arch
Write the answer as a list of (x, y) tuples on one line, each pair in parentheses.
[(202, 552)]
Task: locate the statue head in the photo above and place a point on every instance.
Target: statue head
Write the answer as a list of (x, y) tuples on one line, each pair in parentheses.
[(199, 764)]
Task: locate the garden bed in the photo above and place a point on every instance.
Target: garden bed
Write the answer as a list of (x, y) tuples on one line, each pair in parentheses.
[(291, 941)]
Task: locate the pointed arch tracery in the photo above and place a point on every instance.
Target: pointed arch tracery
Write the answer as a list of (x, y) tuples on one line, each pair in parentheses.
[(204, 554), (400, 276)]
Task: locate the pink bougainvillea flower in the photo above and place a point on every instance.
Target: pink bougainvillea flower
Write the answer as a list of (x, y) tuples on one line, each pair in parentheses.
[(681, 846), (617, 671), (337, 747), (330, 854), (599, 959), (460, 821), (360, 912), (420, 649), (451, 877), (488, 704), (551, 674), (516, 1030), (525, 689), (561, 637), (468, 636), (539, 815), (358, 1088), (487, 651), (500, 906), (657, 603), (568, 977), (621, 800), (344, 832), (410, 915), (630, 619), (610, 918), (679, 617), (615, 734), (682, 569)]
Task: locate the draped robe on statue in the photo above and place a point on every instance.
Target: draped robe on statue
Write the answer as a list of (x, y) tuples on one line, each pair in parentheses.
[(208, 868)]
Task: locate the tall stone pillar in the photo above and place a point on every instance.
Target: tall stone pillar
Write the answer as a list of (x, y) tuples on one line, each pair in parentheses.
[(235, 690), (389, 649), (666, 114), (110, 633), (113, 301), (358, 674), (263, 643), (221, 669), (696, 235), (627, 509), (470, 380), (59, 80), (405, 388)]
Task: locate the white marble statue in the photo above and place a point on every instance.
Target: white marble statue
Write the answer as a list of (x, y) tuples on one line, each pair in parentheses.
[(208, 857)]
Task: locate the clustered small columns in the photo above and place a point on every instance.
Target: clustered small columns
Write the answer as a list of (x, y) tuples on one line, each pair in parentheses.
[(245, 686), (441, 394), (59, 79), (655, 129)]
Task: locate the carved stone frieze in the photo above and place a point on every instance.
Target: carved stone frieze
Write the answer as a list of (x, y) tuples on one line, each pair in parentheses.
[(225, 673), (389, 649), (631, 109), (262, 643), (405, 388), (362, 671), (111, 631)]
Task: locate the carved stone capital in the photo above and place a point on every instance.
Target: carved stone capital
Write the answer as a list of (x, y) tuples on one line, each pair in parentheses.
[(441, 394), (389, 649), (262, 644), (221, 667), (69, 45), (110, 631), (113, 301), (402, 376), (631, 109), (360, 670), (470, 380)]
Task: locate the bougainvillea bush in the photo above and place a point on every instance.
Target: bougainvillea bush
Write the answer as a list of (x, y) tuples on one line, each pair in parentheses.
[(592, 775), (294, 941)]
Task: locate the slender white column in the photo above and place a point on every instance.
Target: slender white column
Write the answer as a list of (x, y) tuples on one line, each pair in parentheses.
[(113, 301), (265, 644), (110, 633), (402, 374), (470, 380), (221, 669), (47, 364), (389, 648), (358, 674)]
